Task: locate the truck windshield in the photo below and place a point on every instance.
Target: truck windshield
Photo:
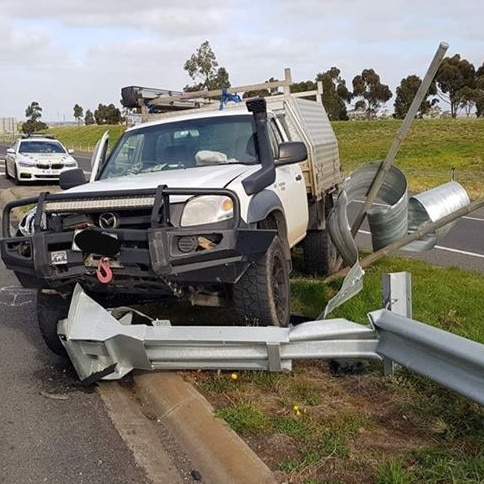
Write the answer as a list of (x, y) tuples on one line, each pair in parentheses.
[(184, 144)]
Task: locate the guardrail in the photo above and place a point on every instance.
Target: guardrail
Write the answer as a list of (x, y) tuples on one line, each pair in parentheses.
[(103, 344), (448, 359)]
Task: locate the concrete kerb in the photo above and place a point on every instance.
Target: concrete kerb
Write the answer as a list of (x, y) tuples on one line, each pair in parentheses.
[(218, 453), (214, 448)]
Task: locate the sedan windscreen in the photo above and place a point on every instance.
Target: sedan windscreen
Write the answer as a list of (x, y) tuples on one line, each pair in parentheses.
[(41, 147)]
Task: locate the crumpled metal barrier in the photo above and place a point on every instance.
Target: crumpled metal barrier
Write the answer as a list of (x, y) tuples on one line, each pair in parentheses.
[(101, 346), (431, 206), (395, 215)]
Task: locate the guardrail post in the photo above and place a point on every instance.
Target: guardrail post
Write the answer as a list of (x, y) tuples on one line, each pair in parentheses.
[(397, 297)]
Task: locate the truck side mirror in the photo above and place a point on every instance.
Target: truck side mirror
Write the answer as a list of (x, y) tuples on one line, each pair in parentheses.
[(291, 152), (72, 178)]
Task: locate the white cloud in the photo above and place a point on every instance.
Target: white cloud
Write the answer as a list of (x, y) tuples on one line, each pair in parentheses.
[(61, 53)]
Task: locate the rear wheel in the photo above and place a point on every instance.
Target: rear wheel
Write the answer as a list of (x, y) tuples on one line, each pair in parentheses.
[(50, 309), (320, 254), (262, 295)]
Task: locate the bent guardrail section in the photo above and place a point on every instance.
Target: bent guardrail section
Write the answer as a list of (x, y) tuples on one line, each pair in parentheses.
[(102, 346)]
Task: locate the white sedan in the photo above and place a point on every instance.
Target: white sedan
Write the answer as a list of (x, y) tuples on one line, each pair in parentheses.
[(37, 158)]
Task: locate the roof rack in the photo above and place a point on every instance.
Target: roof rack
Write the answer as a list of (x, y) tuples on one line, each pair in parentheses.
[(38, 135), (163, 102)]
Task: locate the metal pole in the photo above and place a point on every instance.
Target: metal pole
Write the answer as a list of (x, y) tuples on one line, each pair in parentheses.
[(392, 153)]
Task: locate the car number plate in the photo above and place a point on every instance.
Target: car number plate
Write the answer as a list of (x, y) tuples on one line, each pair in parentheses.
[(58, 257)]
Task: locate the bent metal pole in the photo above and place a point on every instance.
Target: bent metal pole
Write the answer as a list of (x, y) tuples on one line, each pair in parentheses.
[(402, 132)]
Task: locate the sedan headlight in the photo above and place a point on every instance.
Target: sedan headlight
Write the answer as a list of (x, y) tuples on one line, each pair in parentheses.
[(25, 163), (207, 209)]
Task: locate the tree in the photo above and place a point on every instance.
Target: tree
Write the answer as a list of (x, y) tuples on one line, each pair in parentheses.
[(480, 91), (367, 85), (33, 112), (203, 67), (78, 113), (454, 74), (335, 94), (89, 118), (107, 114), (405, 93)]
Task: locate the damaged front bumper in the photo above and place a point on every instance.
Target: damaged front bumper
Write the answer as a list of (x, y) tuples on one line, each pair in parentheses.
[(153, 250)]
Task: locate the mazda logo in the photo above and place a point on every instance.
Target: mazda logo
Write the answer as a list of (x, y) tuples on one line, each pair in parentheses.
[(108, 220)]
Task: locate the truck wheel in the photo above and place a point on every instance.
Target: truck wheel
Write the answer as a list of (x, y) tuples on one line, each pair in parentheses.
[(50, 309), (320, 254), (262, 295)]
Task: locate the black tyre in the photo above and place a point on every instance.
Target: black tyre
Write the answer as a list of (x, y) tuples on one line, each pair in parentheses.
[(7, 174), (50, 309), (320, 254), (262, 295), (15, 175)]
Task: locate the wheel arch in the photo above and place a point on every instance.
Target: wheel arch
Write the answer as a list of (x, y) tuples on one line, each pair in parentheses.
[(266, 210)]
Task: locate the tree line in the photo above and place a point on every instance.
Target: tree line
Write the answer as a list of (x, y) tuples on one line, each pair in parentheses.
[(457, 83), (104, 114)]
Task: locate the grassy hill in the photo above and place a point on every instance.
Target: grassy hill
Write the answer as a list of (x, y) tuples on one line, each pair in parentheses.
[(428, 153)]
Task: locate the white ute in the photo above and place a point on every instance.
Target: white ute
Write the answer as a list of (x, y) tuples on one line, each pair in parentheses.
[(203, 204)]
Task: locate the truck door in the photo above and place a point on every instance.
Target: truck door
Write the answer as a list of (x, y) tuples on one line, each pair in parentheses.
[(291, 189), (99, 156)]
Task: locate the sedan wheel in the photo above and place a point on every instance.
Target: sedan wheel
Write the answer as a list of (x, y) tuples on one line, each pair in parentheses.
[(15, 175)]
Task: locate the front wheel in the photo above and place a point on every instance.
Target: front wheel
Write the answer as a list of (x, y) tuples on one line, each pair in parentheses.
[(7, 173), (16, 179), (262, 295), (51, 308)]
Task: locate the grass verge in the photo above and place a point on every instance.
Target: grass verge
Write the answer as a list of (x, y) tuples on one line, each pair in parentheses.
[(315, 426)]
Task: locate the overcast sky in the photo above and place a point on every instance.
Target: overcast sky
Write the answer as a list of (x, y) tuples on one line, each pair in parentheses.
[(63, 52)]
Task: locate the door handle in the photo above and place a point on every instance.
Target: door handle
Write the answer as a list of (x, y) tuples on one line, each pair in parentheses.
[(298, 177)]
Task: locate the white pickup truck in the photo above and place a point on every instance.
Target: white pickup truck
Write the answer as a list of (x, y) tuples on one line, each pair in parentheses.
[(204, 205)]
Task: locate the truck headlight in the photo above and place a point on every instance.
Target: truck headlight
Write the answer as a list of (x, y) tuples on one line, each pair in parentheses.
[(207, 209)]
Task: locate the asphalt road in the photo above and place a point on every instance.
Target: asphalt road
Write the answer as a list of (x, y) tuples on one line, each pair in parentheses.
[(51, 428)]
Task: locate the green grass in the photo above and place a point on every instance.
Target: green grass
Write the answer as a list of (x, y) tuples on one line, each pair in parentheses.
[(313, 426), (427, 154), (84, 138)]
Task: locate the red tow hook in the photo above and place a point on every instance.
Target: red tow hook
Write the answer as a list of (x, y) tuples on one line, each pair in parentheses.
[(104, 272)]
